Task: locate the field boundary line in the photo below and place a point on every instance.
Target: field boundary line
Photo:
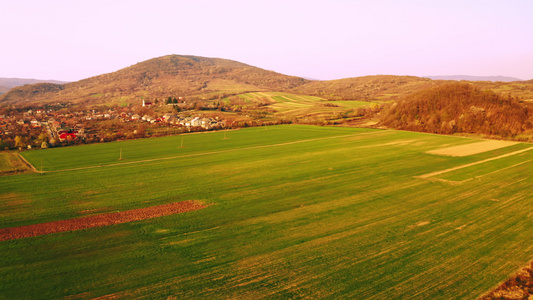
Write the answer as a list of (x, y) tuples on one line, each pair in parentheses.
[(32, 168), (473, 164), (208, 153)]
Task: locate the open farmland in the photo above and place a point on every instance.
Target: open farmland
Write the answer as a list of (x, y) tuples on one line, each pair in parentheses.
[(292, 104), (292, 212)]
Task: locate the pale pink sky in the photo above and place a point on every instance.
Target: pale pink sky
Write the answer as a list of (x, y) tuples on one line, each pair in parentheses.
[(75, 39)]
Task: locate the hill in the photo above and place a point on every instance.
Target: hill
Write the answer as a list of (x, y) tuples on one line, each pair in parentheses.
[(459, 107), (367, 88), (475, 78), (8, 83), (162, 77)]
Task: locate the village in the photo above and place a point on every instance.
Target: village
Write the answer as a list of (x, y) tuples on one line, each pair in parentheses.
[(63, 124)]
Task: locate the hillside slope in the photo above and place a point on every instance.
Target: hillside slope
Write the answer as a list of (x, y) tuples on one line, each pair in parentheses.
[(162, 77), (459, 107), (8, 83), (475, 78), (3, 89), (366, 88)]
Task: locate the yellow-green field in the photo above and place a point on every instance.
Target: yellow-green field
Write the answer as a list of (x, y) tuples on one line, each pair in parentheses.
[(296, 212), (10, 162), (291, 104)]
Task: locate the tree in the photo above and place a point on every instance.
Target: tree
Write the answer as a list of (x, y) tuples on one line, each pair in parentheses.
[(141, 130), (43, 137), (19, 142)]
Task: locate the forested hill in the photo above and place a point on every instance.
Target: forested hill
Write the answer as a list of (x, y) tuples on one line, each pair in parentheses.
[(460, 107), (162, 77)]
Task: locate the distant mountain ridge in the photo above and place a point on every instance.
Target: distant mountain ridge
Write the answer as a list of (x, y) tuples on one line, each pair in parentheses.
[(8, 83), (203, 78), (474, 78), (159, 78)]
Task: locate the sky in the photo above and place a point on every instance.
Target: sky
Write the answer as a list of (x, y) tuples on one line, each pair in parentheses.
[(72, 40)]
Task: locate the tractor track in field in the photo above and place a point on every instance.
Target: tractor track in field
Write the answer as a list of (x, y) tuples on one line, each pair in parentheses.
[(127, 216), (207, 153)]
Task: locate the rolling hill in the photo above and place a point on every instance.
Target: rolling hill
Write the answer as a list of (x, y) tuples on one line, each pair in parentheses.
[(162, 77), (475, 78), (8, 83), (460, 107), (238, 88), (205, 78), (366, 88), (3, 90)]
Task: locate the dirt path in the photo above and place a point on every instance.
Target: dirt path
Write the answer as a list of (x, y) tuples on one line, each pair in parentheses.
[(13, 233), (27, 163)]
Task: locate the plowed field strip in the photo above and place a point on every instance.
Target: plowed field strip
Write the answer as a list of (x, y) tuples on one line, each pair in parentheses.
[(473, 164), (471, 149), (13, 233)]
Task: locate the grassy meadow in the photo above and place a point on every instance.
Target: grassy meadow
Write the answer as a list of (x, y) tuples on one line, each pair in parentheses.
[(296, 212)]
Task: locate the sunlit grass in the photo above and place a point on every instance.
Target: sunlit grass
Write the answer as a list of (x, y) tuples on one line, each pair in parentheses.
[(298, 211)]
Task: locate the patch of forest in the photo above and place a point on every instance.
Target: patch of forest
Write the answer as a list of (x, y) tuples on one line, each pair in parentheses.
[(460, 108)]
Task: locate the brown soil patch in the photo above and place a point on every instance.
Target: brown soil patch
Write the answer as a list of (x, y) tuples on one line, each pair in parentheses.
[(471, 149), (99, 220), (519, 286)]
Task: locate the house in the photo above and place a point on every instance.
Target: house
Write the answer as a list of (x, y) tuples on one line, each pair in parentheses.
[(135, 117), (146, 103), (35, 123), (196, 122), (166, 117), (64, 136), (172, 120)]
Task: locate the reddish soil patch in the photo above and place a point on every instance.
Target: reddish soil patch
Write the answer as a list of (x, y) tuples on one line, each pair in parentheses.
[(519, 286), (99, 220)]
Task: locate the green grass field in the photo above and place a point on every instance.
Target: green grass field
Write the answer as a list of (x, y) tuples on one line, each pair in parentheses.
[(297, 212)]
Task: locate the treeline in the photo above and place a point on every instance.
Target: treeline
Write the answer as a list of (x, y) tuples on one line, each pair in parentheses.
[(459, 107)]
